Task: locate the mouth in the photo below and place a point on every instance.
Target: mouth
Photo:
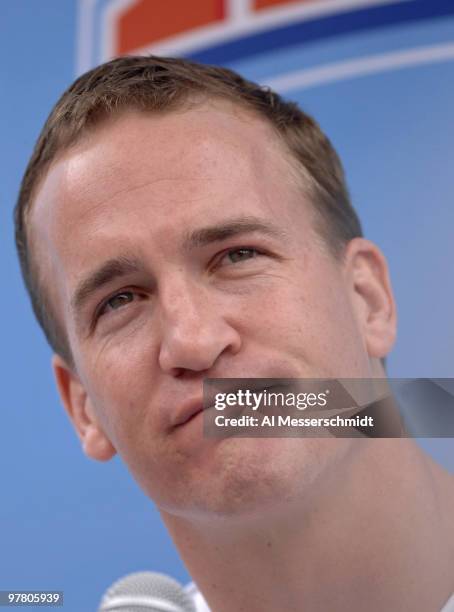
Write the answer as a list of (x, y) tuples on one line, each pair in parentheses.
[(187, 413), (192, 409)]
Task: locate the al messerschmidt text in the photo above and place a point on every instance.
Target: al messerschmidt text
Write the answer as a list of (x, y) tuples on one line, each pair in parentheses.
[(288, 421)]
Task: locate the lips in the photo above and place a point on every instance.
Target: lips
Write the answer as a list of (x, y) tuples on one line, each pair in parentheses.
[(191, 409), (187, 412)]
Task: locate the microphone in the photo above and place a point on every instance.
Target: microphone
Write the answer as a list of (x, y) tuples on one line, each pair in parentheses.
[(146, 592)]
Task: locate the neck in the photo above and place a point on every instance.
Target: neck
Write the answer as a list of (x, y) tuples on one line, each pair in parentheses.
[(378, 538)]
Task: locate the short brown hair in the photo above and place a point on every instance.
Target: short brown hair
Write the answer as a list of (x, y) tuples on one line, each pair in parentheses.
[(158, 84)]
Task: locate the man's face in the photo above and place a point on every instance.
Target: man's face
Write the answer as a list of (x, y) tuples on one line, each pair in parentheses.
[(179, 247)]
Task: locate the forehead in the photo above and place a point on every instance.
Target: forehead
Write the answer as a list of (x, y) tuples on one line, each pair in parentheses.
[(210, 142)]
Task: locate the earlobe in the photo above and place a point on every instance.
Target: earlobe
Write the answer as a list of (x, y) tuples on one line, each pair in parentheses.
[(372, 295), (77, 403)]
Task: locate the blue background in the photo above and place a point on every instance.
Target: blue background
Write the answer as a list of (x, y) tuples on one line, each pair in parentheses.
[(72, 524)]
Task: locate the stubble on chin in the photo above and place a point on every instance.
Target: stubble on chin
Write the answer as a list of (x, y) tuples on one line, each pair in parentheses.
[(247, 477)]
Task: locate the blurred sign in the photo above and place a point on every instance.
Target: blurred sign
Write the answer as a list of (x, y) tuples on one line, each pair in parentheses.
[(224, 30)]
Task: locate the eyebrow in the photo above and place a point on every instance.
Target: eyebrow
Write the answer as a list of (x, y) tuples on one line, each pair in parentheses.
[(118, 267), (235, 227)]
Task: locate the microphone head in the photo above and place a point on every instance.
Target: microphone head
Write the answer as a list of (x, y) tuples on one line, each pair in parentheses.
[(146, 592)]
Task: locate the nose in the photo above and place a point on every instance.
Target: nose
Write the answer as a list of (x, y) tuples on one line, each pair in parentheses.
[(196, 330)]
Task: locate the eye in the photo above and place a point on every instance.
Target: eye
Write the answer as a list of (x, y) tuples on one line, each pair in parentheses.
[(117, 301), (234, 256)]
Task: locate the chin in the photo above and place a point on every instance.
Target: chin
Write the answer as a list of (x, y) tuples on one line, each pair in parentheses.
[(251, 477)]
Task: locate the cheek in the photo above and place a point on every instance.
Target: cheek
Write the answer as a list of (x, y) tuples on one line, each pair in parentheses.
[(119, 378), (313, 322), (336, 334)]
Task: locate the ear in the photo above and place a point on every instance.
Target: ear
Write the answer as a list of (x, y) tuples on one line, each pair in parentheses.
[(74, 397), (372, 295)]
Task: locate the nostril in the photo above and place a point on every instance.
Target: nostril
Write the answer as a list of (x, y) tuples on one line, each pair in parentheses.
[(187, 374)]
